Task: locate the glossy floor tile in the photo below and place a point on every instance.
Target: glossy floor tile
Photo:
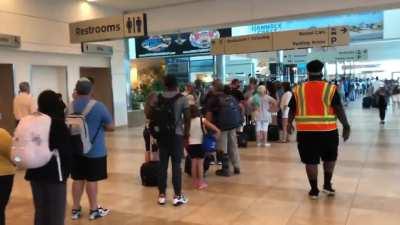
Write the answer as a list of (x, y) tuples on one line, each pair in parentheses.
[(272, 189)]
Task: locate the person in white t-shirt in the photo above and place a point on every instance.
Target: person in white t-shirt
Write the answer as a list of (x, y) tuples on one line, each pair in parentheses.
[(194, 148), (24, 104), (396, 98), (284, 105), (262, 104)]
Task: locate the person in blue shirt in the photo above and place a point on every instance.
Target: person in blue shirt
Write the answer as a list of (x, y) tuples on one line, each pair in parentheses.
[(90, 168)]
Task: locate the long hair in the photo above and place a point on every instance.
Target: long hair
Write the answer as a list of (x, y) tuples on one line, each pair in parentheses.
[(50, 104)]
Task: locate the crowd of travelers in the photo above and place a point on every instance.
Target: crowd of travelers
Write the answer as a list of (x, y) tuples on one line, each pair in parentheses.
[(203, 125), (232, 114)]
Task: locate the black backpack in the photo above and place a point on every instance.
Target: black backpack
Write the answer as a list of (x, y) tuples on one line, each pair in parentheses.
[(162, 117), (230, 114)]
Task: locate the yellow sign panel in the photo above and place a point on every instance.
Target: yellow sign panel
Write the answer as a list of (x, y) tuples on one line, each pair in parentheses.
[(97, 30), (339, 36), (248, 44), (301, 39), (218, 46), (103, 29), (297, 39)]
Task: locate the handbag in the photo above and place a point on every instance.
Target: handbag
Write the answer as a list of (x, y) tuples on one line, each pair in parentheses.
[(209, 143)]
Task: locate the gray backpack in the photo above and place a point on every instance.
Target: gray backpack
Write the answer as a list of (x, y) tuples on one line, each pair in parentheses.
[(76, 122)]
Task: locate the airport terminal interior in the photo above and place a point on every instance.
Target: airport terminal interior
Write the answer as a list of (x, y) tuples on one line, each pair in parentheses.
[(121, 52)]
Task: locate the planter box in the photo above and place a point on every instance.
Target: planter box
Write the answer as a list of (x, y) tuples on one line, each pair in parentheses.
[(136, 118)]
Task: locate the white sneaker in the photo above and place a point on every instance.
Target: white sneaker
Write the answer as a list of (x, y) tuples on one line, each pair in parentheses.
[(76, 214), (98, 213), (162, 200), (258, 144), (267, 145), (180, 200)]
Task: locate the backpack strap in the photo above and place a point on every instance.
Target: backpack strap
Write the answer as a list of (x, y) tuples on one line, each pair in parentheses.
[(89, 107), (202, 126)]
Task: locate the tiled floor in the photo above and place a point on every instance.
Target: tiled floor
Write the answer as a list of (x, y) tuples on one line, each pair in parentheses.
[(272, 189)]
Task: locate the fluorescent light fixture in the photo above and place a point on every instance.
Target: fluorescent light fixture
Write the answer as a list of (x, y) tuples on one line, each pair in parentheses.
[(90, 0)]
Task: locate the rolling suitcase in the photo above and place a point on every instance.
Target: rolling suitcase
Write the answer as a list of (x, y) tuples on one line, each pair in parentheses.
[(242, 139), (367, 102), (273, 133), (250, 131), (149, 173)]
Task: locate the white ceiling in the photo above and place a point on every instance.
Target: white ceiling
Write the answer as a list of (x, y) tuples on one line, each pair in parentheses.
[(133, 5)]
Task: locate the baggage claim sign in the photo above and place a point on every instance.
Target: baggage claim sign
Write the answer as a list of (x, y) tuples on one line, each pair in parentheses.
[(296, 39), (110, 28)]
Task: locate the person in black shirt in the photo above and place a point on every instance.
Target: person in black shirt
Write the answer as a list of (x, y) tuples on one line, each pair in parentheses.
[(49, 192), (235, 90)]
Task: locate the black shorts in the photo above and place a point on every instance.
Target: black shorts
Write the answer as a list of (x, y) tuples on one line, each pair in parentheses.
[(89, 169), (316, 146), (196, 152)]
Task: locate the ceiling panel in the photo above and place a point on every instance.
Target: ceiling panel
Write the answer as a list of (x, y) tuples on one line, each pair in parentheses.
[(131, 5)]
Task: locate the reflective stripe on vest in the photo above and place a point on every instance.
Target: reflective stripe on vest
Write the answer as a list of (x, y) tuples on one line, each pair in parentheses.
[(314, 111)]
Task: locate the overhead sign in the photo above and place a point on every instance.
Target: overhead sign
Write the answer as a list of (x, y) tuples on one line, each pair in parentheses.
[(96, 49), (195, 43), (10, 41), (339, 36), (248, 44), (295, 58), (135, 25), (218, 46), (298, 39), (362, 26), (341, 55), (301, 39), (116, 27)]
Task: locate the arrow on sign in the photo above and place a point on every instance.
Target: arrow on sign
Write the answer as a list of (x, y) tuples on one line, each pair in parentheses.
[(344, 30)]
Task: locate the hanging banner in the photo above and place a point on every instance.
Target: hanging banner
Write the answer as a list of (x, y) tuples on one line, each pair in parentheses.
[(248, 44), (110, 28)]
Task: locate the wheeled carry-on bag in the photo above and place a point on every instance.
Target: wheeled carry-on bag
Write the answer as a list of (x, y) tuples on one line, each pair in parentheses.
[(250, 131), (242, 139), (149, 173), (273, 133), (367, 102)]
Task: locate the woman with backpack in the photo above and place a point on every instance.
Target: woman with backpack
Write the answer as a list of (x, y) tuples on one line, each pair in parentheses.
[(198, 127), (7, 171), (49, 183)]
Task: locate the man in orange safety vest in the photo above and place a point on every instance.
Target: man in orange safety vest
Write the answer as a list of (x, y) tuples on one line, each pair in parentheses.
[(316, 106)]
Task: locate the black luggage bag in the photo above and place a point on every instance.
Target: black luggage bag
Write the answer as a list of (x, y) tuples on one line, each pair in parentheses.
[(367, 102), (149, 173), (250, 131), (242, 139), (273, 133)]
